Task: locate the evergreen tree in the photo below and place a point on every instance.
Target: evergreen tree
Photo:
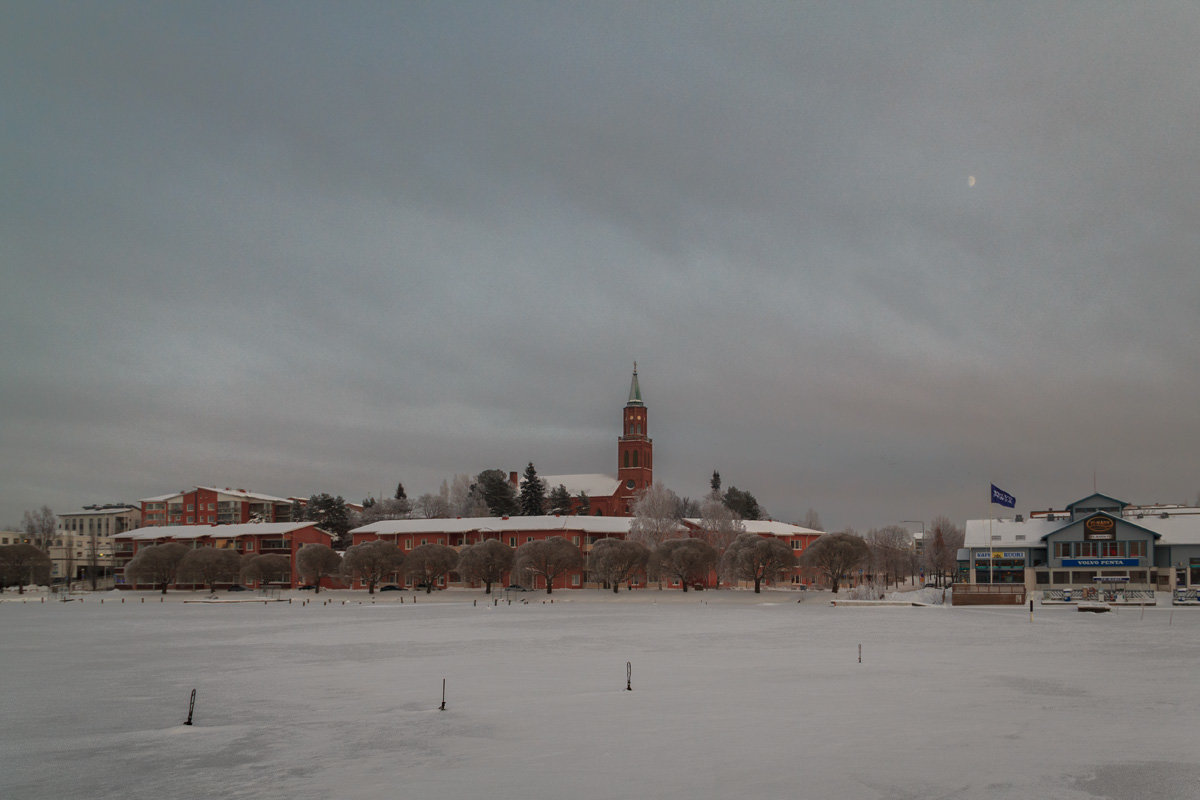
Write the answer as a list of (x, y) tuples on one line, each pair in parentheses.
[(559, 501), (400, 494), (715, 483), (583, 504), (533, 493), (330, 514), (742, 503), (497, 492)]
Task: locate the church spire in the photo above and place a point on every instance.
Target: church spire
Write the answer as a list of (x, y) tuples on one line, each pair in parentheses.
[(635, 391)]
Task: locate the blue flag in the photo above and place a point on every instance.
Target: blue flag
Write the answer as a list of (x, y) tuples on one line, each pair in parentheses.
[(1001, 497)]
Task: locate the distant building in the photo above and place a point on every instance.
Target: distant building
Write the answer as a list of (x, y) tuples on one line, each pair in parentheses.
[(1097, 548), (206, 505), (83, 544)]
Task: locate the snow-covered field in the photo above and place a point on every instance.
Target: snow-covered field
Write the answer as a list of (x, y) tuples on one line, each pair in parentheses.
[(734, 695)]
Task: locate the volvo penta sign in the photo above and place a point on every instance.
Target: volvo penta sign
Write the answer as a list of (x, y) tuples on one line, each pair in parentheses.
[(1100, 562)]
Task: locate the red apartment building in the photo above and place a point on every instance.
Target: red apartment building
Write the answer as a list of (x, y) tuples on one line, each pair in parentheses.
[(206, 505), (255, 538)]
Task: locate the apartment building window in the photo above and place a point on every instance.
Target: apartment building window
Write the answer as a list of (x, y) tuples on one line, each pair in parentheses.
[(190, 507), (191, 520), (512, 541), (575, 579)]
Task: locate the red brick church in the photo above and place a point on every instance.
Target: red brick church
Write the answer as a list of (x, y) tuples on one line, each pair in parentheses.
[(609, 496)]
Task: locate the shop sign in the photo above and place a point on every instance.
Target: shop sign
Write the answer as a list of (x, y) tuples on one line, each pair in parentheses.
[(1010, 555), (1100, 562), (1099, 528)]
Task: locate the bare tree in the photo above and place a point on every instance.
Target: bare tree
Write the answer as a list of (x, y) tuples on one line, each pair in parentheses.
[(836, 554), (890, 547), (686, 560), (466, 500), (157, 564), (618, 560), (943, 541), (39, 527), (654, 515), (209, 566), (373, 562), (549, 558), (433, 506), (812, 520), (758, 558), (269, 568), (486, 561), (21, 564), (315, 561), (719, 525), (429, 562)]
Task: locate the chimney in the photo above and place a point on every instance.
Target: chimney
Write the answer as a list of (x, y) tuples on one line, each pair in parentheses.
[(512, 478)]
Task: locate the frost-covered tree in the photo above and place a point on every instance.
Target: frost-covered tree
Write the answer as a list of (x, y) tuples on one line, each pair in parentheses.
[(685, 560), (210, 566), (268, 568), (583, 504), (486, 562), (559, 501), (549, 558), (719, 526), (758, 558), (533, 493), (686, 508), (157, 564), (428, 563), (812, 520), (655, 517), (835, 555), (372, 562), (615, 561), (315, 561), (388, 508)]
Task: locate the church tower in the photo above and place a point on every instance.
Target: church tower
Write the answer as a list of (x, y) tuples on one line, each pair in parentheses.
[(635, 448)]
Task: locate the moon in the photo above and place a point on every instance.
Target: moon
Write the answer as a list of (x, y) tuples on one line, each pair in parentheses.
[(970, 181)]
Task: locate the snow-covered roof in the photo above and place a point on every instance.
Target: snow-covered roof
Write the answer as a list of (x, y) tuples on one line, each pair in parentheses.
[(1174, 530), (499, 525), (764, 527), (212, 531), (93, 512), (595, 484), (245, 495), (162, 498)]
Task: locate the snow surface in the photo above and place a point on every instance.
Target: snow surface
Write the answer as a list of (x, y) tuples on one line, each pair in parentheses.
[(734, 695)]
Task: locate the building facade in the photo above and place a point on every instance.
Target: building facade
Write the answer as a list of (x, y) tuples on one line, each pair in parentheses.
[(247, 539), (206, 505), (1096, 548)]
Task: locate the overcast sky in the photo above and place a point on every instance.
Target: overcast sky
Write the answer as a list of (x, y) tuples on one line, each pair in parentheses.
[(869, 257)]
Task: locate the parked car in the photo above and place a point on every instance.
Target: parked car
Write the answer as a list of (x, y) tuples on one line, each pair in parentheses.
[(515, 588), (391, 587), (237, 588), (306, 587)]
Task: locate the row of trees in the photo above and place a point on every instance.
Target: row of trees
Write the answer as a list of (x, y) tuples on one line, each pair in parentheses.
[(171, 562), (887, 554)]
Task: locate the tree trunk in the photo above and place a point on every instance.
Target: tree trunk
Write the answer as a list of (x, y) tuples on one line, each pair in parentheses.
[(428, 587), (616, 587), (487, 587), (684, 584), (164, 587), (757, 585)]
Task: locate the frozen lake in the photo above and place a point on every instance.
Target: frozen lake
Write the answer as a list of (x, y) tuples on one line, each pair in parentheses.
[(734, 695)]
